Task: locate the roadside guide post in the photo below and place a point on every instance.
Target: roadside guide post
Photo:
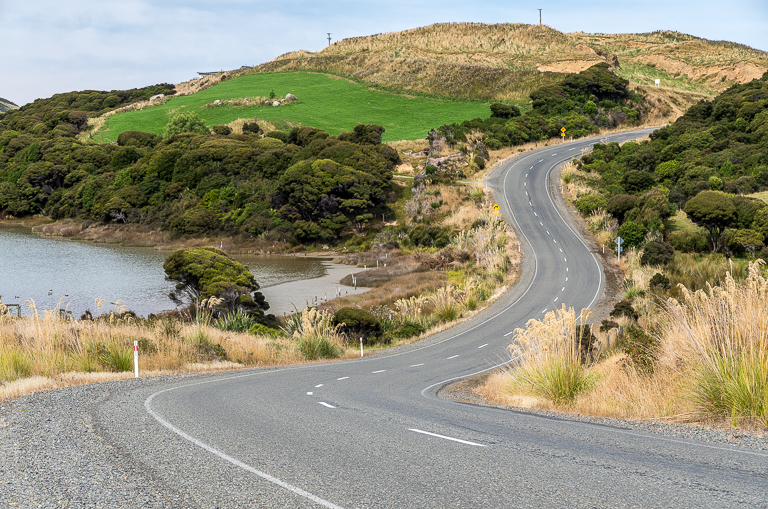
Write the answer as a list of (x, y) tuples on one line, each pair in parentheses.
[(135, 359), (619, 242), (361, 347)]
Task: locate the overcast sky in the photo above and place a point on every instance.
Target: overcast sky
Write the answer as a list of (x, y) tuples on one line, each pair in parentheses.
[(52, 46)]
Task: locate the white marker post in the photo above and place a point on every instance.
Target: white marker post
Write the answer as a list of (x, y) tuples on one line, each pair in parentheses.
[(135, 359), (361, 347)]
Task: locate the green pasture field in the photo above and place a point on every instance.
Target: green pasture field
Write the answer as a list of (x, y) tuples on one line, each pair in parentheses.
[(326, 102)]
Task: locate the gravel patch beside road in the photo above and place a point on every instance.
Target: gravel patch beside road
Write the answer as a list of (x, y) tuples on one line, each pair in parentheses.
[(53, 454)]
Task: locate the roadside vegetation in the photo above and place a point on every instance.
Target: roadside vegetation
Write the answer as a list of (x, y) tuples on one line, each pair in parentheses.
[(687, 339)]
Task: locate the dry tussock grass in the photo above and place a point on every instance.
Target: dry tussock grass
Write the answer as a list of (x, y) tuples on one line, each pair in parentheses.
[(50, 350), (711, 364), (507, 61)]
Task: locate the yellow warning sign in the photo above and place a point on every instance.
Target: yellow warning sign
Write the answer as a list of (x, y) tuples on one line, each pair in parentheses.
[(562, 129), (495, 206)]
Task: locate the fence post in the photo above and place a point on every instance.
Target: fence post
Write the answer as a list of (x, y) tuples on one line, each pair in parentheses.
[(135, 359)]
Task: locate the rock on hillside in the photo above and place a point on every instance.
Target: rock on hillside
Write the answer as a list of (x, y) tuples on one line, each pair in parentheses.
[(6, 105)]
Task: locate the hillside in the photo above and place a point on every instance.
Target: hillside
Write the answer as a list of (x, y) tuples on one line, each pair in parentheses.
[(325, 102), (6, 105), (508, 61)]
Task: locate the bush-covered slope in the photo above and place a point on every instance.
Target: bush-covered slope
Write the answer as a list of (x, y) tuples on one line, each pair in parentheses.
[(304, 185), (704, 164), (581, 103)]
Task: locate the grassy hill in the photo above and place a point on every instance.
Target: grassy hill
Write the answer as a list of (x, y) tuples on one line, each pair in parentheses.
[(327, 102), (433, 58), (449, 67), (6, 105)]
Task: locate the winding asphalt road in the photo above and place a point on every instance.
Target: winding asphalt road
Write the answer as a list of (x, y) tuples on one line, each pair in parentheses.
[(373, 433)]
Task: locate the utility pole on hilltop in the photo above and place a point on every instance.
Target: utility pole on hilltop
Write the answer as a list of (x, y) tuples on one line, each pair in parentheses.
[(329, 38), (539, 16)]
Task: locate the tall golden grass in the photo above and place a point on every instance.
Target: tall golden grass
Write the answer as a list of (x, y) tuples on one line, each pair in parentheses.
[(58, 351), (711, 364), (548, 359), (719, 338)]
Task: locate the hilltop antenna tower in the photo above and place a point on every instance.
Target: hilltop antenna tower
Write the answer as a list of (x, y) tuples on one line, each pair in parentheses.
[(539, 16), (329, 38)]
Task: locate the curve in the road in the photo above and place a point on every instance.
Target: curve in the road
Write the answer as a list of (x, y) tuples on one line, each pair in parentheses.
[(372, 432)]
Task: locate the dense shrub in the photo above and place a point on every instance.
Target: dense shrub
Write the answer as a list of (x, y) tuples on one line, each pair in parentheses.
[(657, 253), (624, 308), (688, 242), (357, 323), (185, 122), (640, 348), (659, 281), (429, 236), (137, 139), (590, 203)]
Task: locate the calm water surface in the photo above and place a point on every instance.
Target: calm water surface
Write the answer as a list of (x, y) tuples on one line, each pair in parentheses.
[(46, 269)]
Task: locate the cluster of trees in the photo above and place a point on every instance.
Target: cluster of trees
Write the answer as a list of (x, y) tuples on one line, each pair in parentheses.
[(704, 164), (304, 185), (582, 103)]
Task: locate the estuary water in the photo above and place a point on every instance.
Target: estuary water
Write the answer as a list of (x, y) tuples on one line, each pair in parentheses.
[(48, 270)]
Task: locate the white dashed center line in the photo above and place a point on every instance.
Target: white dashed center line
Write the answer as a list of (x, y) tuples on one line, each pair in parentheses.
[(482, 346), (451, 357), (545, 310), (563, 289), (447, 438), (318, 385), (556, 298), (309, 393), (326, 404), (417, 365), (342, 378), (379, 371)]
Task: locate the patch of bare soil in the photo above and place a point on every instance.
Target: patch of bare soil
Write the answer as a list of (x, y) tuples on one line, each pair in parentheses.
[(569, 66)]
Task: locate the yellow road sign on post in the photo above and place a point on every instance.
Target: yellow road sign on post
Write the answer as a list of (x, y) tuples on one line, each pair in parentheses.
[(496, 207), (562, 129)]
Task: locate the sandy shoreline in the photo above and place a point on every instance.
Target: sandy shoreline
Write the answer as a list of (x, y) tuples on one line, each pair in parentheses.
[(286, 298)]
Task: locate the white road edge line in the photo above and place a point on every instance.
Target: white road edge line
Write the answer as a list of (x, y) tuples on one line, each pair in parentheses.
[(326, 404), (482, 346), (447, 438), (237, 463)]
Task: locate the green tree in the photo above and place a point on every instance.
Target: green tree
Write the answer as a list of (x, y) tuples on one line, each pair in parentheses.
[(201, 273), (759, 223), (748, 239), (632, 233), (713, 210), (185, 122)]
